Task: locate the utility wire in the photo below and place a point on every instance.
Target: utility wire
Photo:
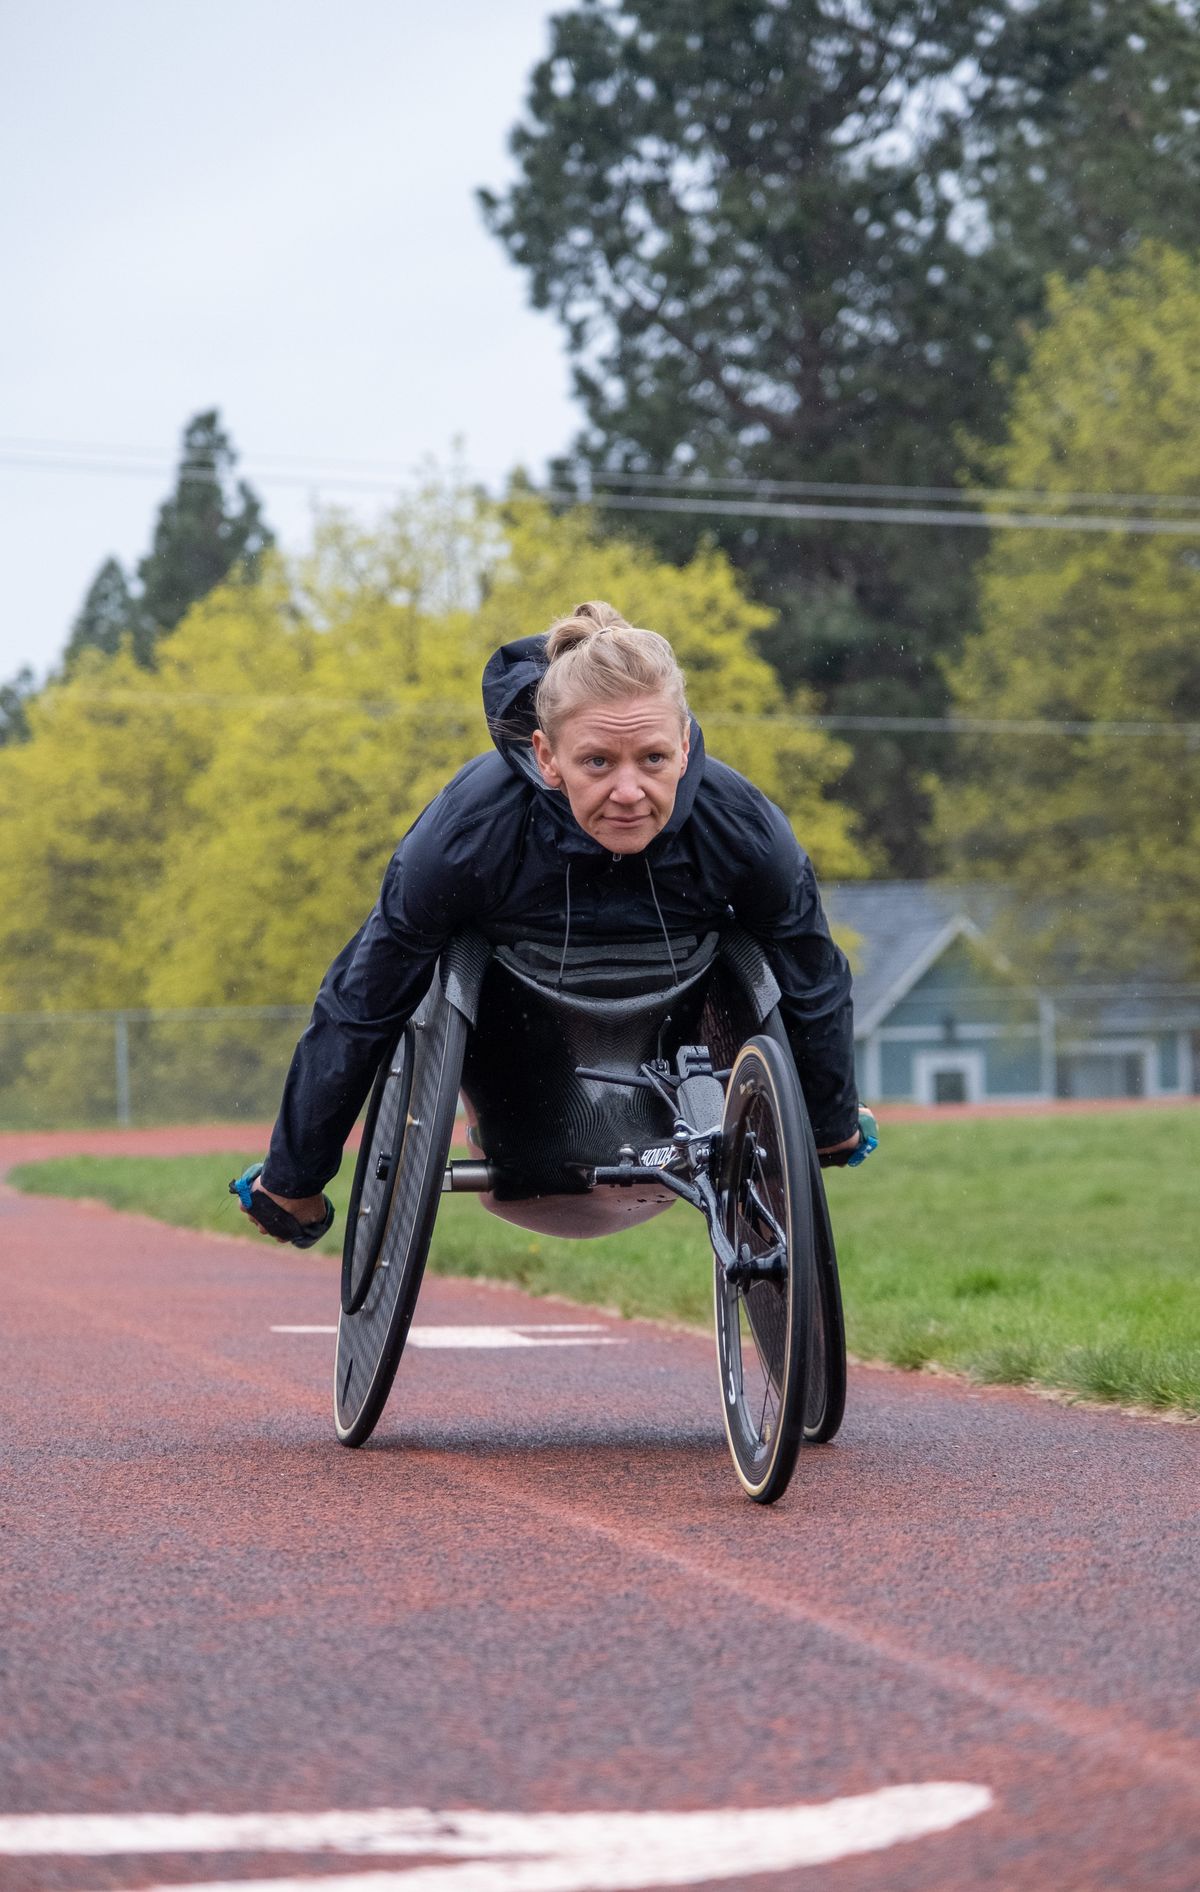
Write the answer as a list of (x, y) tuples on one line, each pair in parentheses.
[(456, 713), (888, 515), (684, 484), (689, 498), (699, 484)]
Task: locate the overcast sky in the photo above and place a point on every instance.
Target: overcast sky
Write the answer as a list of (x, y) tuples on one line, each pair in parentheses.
[(264, 206)]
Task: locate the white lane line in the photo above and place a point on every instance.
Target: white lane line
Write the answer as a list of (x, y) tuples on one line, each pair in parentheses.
[(552, 1334), (516, 1852)]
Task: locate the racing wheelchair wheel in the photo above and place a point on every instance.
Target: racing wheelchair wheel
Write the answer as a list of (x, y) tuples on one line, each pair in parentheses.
[(765, 1324), (393, 1207), (825, 1398)]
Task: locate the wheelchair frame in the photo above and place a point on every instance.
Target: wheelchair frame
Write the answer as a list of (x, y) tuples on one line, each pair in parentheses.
[(732, 1141)]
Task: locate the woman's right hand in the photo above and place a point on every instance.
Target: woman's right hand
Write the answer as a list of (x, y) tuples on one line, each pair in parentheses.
[(306, 1209)]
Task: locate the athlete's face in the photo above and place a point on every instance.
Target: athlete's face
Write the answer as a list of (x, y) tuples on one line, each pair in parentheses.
[(618, 764)]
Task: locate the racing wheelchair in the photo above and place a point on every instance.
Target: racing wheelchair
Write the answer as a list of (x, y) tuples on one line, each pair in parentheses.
[(602, 1084)]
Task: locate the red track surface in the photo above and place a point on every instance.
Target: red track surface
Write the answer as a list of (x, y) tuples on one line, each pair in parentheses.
[(202, 1139), (540, 1587)]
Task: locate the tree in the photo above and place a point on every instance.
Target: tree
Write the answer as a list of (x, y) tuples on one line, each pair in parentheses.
[(109, 614), (322, 771), (87, 805), (1095, 629), (791, 242), (14, 696), (205, 529), (211, 831)]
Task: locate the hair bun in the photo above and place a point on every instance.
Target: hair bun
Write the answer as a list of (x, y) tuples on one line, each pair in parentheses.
[(585, 622), (597, 656)]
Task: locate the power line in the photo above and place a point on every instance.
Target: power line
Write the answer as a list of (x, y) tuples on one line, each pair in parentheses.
[(689, 498), (458, 713), (185, 475), (154, 456), (978, 725), (889, 515), (863, 489), (684, 484)]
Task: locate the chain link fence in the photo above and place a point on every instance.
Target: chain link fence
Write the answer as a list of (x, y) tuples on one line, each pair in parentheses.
[(70, 1070), (74, 1070)]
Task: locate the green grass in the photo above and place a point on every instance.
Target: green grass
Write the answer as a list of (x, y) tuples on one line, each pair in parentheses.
[(1059, 1251)]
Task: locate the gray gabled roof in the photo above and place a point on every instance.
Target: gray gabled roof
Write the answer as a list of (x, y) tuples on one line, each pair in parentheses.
[(902, 927)]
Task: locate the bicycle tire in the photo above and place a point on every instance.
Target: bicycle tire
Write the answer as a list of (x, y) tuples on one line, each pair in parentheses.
[(371, 1340), (765, 1209)]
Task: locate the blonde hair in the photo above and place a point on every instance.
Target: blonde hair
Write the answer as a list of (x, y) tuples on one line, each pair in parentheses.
[(597, 656)]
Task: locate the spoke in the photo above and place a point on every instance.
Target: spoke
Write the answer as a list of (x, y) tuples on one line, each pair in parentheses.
[(762, 1415)]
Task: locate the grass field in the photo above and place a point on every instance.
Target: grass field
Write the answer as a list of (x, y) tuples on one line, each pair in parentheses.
[(1059, 1251)]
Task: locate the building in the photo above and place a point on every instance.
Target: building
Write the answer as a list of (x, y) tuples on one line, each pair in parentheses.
[(941, 1017)]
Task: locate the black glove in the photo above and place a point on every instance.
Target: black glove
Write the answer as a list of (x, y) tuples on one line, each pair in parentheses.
[(271, 1218), (868, 1131)]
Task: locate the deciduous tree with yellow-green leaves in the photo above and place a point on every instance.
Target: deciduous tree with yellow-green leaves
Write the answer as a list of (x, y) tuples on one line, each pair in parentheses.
[(210, 832), (1096, 629)]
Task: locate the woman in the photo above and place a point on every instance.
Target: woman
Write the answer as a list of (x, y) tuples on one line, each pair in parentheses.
[(599, 817)]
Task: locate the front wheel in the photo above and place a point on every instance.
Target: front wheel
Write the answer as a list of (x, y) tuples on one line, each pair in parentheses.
[(825, 1397), (397, 1188), (765, 1314)]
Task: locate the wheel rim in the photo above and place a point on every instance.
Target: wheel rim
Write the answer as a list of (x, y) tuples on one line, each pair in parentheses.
[(370, 1341), (375, 1179), (762, 1308), (816, 1392), (756, 1322)]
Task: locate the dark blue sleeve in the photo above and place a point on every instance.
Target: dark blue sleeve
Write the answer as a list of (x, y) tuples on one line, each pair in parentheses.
[(776, 899), (368, 994)]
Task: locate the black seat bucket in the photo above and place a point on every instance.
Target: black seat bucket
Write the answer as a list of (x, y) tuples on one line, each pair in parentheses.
[(541, 1126)]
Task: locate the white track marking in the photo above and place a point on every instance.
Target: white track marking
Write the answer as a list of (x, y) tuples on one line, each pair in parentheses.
[(515, 1852), (563, 1334), (552, 1334)]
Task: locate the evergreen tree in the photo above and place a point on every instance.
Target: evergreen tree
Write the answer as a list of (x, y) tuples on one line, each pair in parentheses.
[(794, 242), (14, 695), (208, 526), (109, 614)]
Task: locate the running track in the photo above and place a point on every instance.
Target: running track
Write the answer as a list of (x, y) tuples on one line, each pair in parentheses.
[(540, 1591)]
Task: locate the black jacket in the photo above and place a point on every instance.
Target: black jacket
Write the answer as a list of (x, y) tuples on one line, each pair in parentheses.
[(499, 851)]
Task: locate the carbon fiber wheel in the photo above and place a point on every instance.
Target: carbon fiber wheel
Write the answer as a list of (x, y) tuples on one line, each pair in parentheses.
[(376, 1171), (394, 1205), (765, 1325), (825, 1396)]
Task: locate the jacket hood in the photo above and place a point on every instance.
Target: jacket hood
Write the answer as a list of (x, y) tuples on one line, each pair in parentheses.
[(510, 679)]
